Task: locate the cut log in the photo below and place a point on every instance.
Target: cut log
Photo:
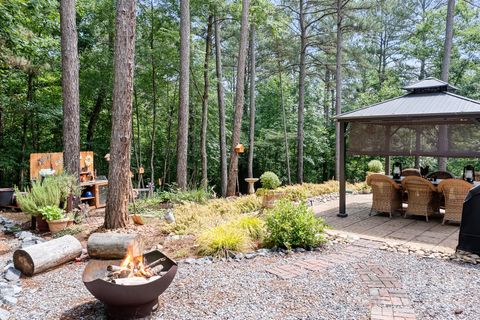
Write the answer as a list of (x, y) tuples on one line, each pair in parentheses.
[(113, 245), (46, 255)]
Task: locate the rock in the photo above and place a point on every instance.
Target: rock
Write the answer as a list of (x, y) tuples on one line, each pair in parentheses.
[(250, 255), (403, 250), (458, 311), (17, 290), (12, 274), (24, 235), (384, 247), (4, 314), (204, 260), (189, 261), (299, 250), (10, 300), (239, 256)]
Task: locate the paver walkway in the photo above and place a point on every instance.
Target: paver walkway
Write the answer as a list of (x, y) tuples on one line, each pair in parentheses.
[(387, 299), (412, 230)]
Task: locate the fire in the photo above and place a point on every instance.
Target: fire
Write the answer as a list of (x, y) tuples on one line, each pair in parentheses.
[(135, 265)]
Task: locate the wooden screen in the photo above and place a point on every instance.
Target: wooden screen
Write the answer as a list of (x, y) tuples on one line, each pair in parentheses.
[(54, 161)]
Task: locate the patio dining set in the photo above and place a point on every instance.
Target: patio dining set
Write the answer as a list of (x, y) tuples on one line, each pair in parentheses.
[(413, 194)]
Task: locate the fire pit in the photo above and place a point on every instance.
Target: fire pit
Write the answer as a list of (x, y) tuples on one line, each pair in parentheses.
[(130, 288)]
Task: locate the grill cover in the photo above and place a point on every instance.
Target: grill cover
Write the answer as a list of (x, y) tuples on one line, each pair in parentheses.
[(469, 238)]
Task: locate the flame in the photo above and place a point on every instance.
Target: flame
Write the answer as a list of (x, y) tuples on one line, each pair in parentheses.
[(135, 265)]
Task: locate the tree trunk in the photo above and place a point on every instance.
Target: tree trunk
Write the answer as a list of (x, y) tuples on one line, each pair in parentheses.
[(116, 212), (92, 122), (70, 88), (182, 134), (166, 163), (338, 85), (46, 255), (447, 50), (154, 98), (239, 99), (203, 137), (284, 118), (26, 115), (301, 94), (221, 109), (252, 103)]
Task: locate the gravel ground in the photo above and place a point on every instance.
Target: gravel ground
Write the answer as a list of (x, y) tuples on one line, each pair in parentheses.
[(243, 290)]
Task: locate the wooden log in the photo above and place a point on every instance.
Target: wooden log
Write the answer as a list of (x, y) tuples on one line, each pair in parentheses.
[(113, 245), (46, 255)]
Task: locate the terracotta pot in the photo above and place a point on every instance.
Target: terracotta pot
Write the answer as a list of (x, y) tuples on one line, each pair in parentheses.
[(70, 222), (42, 224), (57, 225), (269, 199)]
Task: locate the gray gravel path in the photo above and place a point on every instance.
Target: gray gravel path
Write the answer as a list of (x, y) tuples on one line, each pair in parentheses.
[(243, 290)]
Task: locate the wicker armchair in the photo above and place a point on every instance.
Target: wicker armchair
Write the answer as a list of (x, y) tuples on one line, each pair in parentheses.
[(387, 194), (411, 172), (423, 198), (455, 191), (440, 175)]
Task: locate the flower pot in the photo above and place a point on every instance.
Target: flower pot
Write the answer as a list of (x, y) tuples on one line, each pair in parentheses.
[(42, 224), (269, 199), (57, 225), (70, 222)]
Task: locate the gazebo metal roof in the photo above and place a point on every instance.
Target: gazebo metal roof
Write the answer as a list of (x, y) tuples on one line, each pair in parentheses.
[(429, 120)]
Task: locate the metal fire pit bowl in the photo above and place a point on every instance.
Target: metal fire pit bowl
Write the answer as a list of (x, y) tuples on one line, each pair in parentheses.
[(128, 301)]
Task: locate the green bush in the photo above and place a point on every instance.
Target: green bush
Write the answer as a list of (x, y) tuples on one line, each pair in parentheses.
[(269, 180), (38, 196), (51, 213), (375, 166), (290, 226), (218, 241)]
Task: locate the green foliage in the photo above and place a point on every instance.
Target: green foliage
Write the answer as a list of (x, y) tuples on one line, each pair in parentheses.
[(40, 195), (375, 166), (290, 226), (68, 231), (253, 226), (179, 196), (51, 213), (220, 240), (269, 180)]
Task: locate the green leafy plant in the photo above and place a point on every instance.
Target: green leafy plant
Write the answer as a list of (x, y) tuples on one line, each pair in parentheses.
[(221, 240), (51, 213), (68, 231), (375, 166), (269, 180), (292, 225), (253, 226), (41, 194)]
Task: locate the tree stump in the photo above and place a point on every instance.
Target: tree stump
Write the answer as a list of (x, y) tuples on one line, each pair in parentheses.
[(113, 245), (43, 256)]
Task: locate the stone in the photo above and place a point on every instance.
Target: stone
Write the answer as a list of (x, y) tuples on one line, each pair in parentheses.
[(204, 260), (12, 274), (239, 256), (189, 261), (250, 255), (10, 300), (299, 250), (403, 250), (4, 314), (458, 311), (17, 290), (24, 235)]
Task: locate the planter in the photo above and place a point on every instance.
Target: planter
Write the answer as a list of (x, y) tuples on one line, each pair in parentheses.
[(70, 222), (57, 225), (42, 224), (269, 199)]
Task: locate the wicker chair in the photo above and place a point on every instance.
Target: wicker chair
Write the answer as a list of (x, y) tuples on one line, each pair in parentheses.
[(440, 175), (423, 198), (387, 194), (455, 191), (411, 172)]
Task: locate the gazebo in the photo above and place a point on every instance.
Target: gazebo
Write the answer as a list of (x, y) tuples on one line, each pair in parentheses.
[(429, 120)]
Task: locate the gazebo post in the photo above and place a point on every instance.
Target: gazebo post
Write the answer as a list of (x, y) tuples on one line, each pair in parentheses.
[(342, 212)]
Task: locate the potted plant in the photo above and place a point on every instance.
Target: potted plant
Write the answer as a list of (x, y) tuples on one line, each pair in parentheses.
[(55, 218), (269, 182), (375, 166)]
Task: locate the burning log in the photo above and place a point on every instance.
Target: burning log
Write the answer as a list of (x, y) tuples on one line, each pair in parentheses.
[(43, 256), (133, 267), (114, 268), (114, 245)]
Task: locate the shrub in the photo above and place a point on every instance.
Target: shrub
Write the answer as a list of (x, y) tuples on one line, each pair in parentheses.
[(375, 166), (290, 226), (269, 180), (223, 239), (253, 226), (39, 195), (51, 213)]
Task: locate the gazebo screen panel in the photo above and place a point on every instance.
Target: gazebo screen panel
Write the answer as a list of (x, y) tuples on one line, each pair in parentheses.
[(420, 139)]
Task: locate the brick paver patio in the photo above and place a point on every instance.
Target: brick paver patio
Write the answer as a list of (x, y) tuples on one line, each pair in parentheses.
[(413, 230)]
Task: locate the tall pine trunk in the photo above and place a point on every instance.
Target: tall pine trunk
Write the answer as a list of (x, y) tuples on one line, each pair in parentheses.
[(221, 109), (154, 99), (183, 112), (116, 212), (338, 85), (301, 93), (92, 122), (252, 103), (239, 99), (284, 118), (447, 51), (70, 88), (203, 137)]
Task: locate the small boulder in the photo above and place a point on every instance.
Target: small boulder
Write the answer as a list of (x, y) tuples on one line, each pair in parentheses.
[(13, 274)]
